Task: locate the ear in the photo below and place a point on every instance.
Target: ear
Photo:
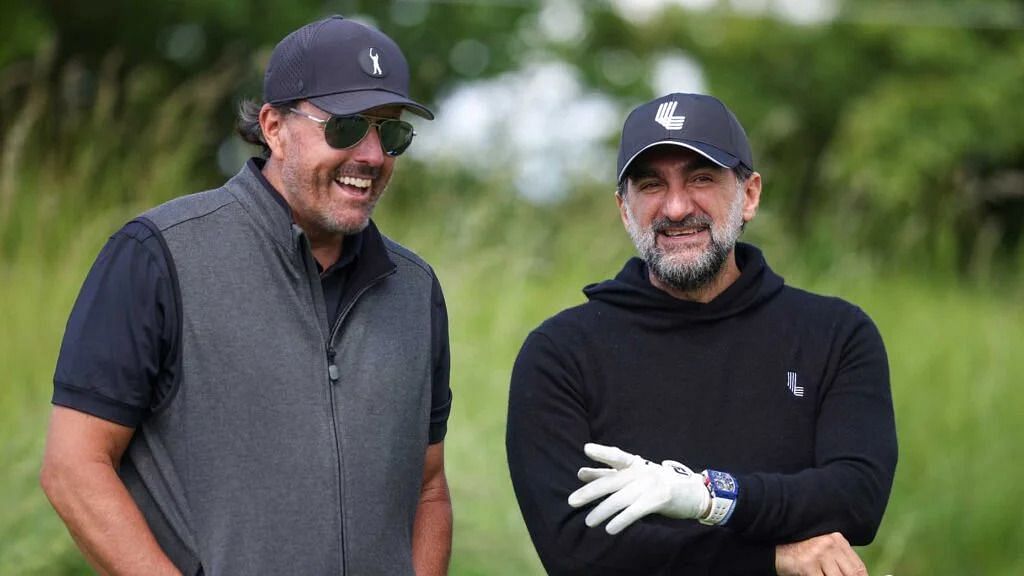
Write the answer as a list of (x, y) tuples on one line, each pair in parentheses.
[(622, 208), (272, 125), (752, 196)]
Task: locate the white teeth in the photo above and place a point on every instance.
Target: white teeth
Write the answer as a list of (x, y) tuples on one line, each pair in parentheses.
[(674, 233), (357, 182)]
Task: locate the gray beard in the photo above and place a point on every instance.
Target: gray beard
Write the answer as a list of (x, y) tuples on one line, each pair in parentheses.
[(302, 192), (681, 274)]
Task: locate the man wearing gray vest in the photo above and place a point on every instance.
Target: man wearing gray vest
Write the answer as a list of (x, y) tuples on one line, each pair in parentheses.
[(253, 379)]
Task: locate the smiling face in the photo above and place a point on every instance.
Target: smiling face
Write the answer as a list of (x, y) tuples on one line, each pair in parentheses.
[(331, 192), (685, 214)]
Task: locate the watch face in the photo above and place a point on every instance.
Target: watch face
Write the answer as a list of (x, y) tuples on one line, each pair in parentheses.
[(723, 484)]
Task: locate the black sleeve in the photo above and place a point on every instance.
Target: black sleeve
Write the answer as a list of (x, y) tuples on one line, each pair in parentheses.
[(441, 393), (855, 452), (547, 428), (118, 357)]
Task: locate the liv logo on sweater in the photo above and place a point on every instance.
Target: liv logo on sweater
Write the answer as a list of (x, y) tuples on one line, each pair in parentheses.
[(797, 391)]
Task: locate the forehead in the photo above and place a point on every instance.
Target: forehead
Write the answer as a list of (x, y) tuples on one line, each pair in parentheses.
[(668, 157)]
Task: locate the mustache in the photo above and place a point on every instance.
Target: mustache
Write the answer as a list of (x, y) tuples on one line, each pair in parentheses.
[(357, 171), (690, 221)]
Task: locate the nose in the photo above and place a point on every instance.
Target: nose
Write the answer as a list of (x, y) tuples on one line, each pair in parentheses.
[(368, 150), (678, 203)]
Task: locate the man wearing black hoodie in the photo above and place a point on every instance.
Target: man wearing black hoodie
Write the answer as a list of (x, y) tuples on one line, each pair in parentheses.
[(699, 356)]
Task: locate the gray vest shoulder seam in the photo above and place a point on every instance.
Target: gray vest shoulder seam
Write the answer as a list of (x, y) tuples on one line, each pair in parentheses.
[(398, 250), (198, 216)]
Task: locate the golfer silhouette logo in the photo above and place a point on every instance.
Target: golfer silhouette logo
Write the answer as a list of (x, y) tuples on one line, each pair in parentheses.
[(376, 63)]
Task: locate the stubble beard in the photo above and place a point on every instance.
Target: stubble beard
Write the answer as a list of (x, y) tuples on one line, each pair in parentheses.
[(309, 194), (678, 271)]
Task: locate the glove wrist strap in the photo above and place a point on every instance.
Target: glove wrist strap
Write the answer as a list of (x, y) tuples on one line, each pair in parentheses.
[(723, 489)]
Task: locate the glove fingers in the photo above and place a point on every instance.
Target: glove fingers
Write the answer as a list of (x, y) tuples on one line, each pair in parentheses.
[(609, 455), (591, 474), (613, 504), (598, 488), (643, 506)]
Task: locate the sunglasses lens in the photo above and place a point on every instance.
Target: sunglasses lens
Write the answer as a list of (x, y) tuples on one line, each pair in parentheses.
[(395, 136), (345, 131)]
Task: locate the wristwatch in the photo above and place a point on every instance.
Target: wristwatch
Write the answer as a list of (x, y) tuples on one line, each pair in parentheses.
[(723, 489)]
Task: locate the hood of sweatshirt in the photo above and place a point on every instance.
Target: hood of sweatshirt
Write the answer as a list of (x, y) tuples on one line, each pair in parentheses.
[(631, 289)]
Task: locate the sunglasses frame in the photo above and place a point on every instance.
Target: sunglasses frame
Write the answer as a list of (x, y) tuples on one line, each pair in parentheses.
[(371, 122)]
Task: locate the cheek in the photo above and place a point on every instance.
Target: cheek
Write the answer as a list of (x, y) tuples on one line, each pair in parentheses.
[(312, 151), (647, 214), (386, 171)]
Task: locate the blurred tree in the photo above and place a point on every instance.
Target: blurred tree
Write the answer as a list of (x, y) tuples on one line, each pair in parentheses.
[(893, 126)]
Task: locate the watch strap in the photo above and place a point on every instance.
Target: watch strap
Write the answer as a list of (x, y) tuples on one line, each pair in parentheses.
[(724, 490)]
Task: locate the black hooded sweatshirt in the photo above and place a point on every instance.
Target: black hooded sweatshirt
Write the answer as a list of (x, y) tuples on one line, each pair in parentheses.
[(786, 390)]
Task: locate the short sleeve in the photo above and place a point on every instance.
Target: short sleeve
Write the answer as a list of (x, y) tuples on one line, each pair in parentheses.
[(118, 358), (441, 393)]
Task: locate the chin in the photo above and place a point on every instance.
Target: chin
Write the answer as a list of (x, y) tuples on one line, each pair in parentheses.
[(353, 226)]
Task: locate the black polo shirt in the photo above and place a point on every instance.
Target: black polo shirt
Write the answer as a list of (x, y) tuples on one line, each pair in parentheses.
[(121, 352)]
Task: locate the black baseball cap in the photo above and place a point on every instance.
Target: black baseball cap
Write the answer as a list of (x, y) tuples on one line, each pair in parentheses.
[(342, 67), (695, 121)]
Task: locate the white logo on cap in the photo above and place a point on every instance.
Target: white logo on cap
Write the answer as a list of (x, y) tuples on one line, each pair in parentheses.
[(665, 116), (376, 64)]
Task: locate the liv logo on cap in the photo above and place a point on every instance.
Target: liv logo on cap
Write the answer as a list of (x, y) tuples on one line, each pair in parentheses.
[(665, 116), (369, 60)]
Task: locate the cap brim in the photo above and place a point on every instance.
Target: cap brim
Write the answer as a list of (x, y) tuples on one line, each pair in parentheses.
[(357, 101), (716, 155)]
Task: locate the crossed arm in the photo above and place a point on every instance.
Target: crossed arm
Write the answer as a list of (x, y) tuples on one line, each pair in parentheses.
[(633, 487)]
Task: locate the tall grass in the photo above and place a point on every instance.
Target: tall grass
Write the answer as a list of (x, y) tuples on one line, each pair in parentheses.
[(955, 349)]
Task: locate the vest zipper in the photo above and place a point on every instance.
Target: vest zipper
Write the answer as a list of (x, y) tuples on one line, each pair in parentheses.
[(332, 368), (334, 375)]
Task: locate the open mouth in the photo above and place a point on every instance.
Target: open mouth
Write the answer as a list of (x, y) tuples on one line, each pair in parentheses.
[(683, 232), (363, 183), (353, 186)]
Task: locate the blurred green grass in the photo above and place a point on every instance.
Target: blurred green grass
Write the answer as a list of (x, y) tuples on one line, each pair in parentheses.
[(955, 346)]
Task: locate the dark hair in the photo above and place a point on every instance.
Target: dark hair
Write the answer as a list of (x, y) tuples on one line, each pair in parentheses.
[(741, 172), (248, 124)]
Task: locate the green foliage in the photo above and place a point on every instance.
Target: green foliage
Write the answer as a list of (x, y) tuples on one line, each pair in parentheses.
[(24, 30), (896, 136), (904, 153)]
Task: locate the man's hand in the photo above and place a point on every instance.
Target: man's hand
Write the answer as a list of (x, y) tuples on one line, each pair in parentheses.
[(638, 487), (829, 555)]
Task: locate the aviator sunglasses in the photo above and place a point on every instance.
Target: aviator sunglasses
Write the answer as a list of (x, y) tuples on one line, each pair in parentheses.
[(346, 131)]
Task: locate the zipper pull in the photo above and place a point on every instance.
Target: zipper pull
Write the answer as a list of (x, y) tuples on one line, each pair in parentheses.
[(332, 369)]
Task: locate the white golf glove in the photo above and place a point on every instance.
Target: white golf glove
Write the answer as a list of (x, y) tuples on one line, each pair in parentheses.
[(638, 487)]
